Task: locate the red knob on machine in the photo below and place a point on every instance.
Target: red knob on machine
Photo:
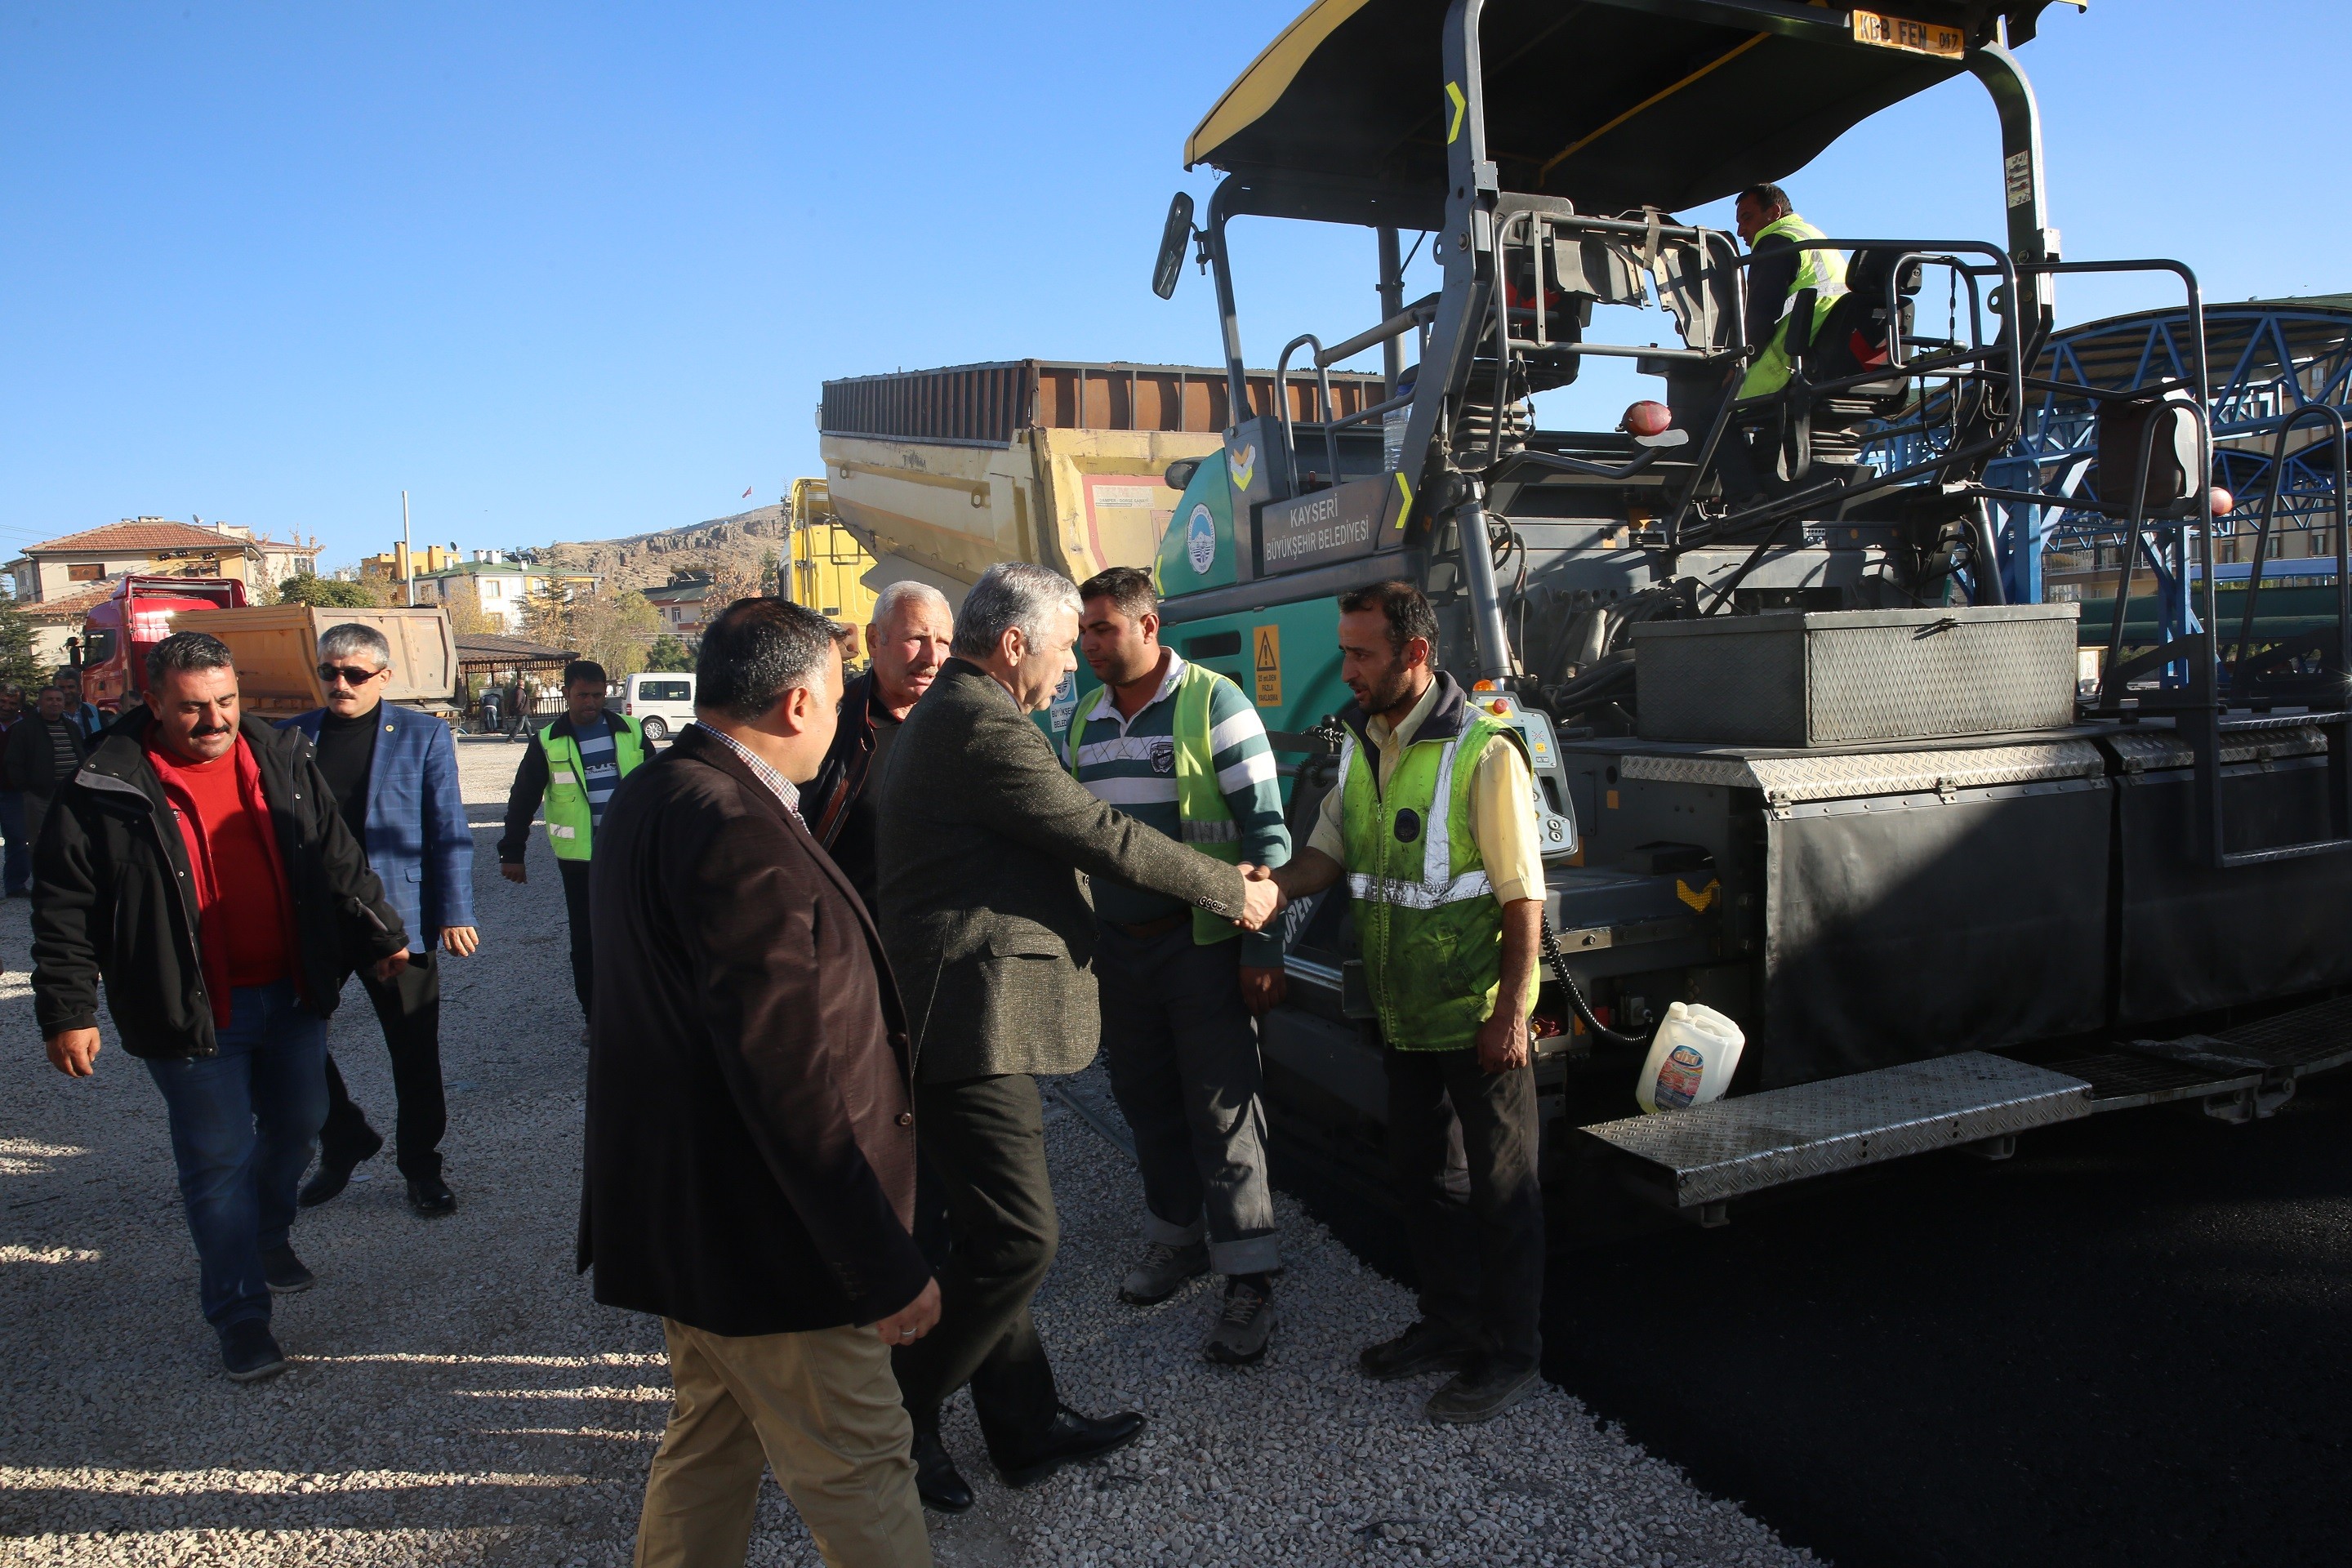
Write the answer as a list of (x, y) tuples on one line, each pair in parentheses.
[(1647, 417), (2224, 503)]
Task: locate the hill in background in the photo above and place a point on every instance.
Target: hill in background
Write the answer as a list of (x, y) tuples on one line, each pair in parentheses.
[(735, 546)]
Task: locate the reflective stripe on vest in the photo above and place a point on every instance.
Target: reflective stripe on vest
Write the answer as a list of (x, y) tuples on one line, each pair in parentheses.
[(1204, 820), (570, 820), (1429, 928), (1821, 269)]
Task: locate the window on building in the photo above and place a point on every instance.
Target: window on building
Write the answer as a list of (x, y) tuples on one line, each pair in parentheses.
[(86, 571)]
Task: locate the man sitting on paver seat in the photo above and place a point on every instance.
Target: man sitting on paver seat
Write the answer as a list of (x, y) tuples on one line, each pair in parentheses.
[(188, 805)]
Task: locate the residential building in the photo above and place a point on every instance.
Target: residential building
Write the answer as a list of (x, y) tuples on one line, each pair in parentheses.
[(682, 603), (66, 566), (494, 585)]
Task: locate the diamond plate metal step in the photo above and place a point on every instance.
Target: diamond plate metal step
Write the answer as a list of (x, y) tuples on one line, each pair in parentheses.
[(1708, 1154)]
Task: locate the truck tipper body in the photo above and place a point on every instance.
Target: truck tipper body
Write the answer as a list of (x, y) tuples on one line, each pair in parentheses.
[(277, 649), (941, 474)]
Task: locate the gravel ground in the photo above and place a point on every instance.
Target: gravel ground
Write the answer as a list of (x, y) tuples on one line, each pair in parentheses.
[(457, 1397)]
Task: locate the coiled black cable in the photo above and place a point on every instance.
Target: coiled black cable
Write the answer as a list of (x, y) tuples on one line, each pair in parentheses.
[(1558, 962)]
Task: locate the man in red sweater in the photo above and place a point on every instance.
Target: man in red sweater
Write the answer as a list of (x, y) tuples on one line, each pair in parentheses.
[(187, 816)]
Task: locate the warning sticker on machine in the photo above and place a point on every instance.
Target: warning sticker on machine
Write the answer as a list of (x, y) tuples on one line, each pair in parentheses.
[(2019, 169), (1265, 645)]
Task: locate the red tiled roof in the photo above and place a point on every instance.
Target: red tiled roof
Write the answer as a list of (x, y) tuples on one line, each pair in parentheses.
[(134, 536), (73, 606)]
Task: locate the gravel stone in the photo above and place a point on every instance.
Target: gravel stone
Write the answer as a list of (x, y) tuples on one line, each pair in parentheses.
[(458, 1397)]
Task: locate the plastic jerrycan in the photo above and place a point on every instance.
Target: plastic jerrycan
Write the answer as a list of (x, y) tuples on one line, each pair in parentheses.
[(1691, 1059)]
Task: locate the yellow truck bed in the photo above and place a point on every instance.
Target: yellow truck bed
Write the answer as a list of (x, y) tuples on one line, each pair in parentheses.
[(277, 649)]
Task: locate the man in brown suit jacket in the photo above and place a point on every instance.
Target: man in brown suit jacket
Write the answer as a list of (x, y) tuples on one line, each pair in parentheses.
[(983, 835), (750, 1147)]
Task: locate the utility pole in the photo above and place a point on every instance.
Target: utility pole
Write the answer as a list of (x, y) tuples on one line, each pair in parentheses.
[(407, 557)]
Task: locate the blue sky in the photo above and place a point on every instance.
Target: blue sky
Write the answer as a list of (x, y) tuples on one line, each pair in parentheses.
[(573, 271)]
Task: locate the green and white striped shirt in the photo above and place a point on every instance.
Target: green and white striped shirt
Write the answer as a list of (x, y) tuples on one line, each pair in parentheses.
[(1131, 764)]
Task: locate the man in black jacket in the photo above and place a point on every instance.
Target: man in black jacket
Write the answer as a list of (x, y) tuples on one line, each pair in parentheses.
[(197, 864), (44, 748), (908, 640), (750, 1168)]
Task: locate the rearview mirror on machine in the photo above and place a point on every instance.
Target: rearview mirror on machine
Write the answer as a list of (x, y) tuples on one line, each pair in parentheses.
[(1180, 473), (1174, 240)]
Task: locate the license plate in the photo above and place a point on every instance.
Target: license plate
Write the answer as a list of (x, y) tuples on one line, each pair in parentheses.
[(1913, 37)]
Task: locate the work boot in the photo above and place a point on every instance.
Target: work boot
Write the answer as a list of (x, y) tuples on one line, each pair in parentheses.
[(1481, 1391), (1245, 1326), (1163, 1272), (1425, 1347)]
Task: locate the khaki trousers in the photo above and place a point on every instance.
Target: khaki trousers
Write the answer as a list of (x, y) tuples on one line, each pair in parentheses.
[(822, 1410)]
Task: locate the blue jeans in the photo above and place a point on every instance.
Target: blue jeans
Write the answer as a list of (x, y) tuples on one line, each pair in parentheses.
[(242, 1123), (17, 868)]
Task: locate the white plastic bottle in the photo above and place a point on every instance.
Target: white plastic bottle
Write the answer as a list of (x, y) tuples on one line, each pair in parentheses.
[(1691, 1059)]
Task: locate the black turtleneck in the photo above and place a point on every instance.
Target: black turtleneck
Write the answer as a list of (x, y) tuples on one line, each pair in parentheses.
[(346, 750)]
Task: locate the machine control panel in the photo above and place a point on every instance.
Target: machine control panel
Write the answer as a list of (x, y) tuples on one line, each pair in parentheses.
[(1555, 814)]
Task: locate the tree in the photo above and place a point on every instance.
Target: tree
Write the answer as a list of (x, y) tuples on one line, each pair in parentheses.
[(669, 652), (468, 619), (331, 592), (614, 629), (18, 665)]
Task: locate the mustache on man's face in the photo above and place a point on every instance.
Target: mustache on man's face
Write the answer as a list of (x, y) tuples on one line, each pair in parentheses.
[(211, 729)]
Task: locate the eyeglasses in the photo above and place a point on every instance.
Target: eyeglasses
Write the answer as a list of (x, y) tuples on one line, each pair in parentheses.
[(350, 674)]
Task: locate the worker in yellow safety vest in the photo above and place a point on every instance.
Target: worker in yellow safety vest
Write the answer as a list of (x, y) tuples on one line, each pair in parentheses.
[(1779, 272), (1431, 825)]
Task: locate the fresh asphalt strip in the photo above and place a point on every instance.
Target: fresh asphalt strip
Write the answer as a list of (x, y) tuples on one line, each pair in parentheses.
[(2131, 1344)]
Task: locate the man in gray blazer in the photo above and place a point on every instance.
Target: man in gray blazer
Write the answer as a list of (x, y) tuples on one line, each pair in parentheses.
[(990, 933)]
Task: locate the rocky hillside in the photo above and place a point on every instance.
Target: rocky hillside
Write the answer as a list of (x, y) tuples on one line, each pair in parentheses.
[(743, 541)]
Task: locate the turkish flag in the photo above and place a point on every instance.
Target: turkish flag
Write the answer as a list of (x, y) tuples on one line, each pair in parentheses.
[(747, 492)]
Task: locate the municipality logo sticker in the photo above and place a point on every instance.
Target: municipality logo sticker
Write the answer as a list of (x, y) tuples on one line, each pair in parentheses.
[(1200, 539)]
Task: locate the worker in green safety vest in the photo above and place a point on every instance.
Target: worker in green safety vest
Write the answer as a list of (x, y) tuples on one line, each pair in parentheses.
[(1779, 272), (574, 764), (1779, 269), (1433, 825), (1181, 748)]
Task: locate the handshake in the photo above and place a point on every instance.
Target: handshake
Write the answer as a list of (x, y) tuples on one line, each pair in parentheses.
[(1262, 897)]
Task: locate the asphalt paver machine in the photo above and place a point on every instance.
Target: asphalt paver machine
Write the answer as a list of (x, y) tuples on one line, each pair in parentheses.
[(1795, 757)]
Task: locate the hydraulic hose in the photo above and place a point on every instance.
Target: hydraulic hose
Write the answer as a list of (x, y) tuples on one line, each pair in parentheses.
[(1558, 962)]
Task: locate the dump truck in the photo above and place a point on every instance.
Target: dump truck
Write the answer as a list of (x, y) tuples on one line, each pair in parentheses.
[(1801, 752), (940, 474), (277, 649), (121, 628)]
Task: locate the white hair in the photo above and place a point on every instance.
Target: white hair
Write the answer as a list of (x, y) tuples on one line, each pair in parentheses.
[(887, 601), (1012, 595), (355, 637)]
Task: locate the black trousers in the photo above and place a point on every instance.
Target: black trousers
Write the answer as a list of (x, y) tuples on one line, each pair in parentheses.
[(1485, 1277), (982, 1141), (575, 905), (409, 1008)]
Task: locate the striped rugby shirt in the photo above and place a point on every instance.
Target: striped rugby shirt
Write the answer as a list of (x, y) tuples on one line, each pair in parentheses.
[(1131, 764)]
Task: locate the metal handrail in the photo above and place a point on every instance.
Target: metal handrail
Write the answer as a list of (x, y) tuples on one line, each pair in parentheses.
[(1282, 402), (2263, 539)]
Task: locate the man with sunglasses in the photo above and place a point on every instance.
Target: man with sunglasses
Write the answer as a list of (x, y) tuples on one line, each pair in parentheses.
[(393, 772)]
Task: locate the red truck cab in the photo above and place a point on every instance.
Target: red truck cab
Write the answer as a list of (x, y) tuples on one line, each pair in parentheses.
[(119, 630)]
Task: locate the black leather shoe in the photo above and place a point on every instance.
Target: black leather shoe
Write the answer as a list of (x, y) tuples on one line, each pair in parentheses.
[(1071, 1439), (936, 1480), (1425, 1347), (431, 1197), (334, 1172), (285, 1271), (249, 1353)]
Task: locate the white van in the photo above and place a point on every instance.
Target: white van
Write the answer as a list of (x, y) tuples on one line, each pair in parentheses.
[(662, 702)]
